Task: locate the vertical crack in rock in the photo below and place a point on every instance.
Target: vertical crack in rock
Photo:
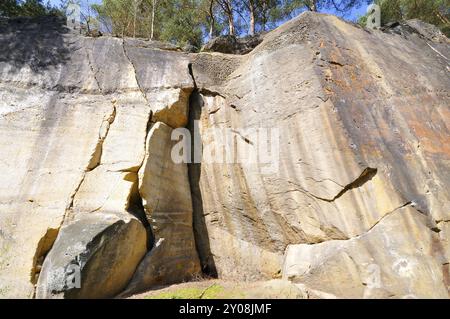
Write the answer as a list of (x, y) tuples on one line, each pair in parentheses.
[(136, 203), (43, 247), (95, 160), (94, 73), (47, 241), (135, 207), (125, 52), (194, 171), (191, 73)]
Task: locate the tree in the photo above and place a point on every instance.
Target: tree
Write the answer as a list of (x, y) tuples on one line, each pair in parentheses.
[(136, 4), (9, 8), (251, 7), (269, 11), (26, 8), (152, 21), (182, 23), (117, 13), (228, 9), (211, 17)]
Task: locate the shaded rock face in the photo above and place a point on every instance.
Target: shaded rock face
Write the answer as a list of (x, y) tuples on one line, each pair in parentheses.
[(354, 204), (232, 44), (425, 30)]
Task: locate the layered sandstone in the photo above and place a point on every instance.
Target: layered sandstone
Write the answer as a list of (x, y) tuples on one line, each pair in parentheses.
[(354, 203)]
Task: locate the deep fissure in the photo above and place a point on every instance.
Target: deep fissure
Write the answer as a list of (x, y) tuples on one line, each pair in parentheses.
[(194, 171)]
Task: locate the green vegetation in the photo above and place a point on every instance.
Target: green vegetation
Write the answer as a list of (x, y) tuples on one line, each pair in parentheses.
[(194, 21), (436, 12), (214, 291), (26, 8)]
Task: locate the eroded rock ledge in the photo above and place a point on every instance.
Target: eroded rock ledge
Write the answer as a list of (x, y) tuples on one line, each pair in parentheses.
[(357, 207)]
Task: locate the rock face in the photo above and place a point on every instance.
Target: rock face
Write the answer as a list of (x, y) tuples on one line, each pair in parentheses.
[(233, 44), (354, 268), (75, 114), (349, 199), (362, 119), (164, 187), (103, 249)]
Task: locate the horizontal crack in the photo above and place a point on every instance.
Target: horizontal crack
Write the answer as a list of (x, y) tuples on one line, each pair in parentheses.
[(365, 176)]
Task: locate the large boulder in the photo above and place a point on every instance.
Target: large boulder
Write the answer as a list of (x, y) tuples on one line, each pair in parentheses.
[(94, 256)]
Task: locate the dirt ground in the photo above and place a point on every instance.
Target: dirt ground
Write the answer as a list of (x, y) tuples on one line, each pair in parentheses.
[(220, 289)]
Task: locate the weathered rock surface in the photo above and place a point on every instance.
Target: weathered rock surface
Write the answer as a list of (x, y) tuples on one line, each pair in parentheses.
[(232, 44), (355, 202), (74, 117), (105, 248), (356, 268), (166, 196), (362, 124)]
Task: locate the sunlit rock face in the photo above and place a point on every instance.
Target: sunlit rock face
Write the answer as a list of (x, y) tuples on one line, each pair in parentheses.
[(351, 200)]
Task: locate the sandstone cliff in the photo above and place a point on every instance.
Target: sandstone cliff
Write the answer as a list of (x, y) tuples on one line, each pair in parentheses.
[(357, 205)]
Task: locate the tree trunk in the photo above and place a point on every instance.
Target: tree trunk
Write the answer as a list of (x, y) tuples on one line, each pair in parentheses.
[(252, 17), (230, 17), (443, 18), (231, 24), (152, 32), (264, 16), (134, 17), (212, 20)]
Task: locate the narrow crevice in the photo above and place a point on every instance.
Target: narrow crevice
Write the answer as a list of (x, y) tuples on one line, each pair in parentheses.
[(136, 208), (200, 229), (191, 73), (96, 157), (388, 214), (208, 92), (371, 227), (135, 203), (43, 247), (336, 63)]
